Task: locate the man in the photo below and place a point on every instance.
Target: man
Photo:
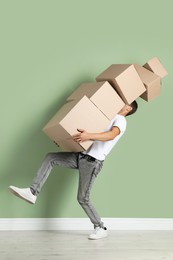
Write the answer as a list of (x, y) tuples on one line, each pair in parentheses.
[(89, 164)]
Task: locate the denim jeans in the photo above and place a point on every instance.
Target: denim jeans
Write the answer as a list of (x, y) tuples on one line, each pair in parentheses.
[(88, 171)]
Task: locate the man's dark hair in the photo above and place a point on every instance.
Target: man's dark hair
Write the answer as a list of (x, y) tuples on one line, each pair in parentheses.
[(134, 106)]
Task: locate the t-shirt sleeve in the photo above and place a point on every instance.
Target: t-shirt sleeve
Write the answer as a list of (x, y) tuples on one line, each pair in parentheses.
[(121, 124)]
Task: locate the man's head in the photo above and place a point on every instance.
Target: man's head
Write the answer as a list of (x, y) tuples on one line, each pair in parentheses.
[(128, 110)]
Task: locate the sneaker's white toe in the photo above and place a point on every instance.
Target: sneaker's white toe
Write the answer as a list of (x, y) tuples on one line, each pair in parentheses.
[(98, 233), (24, 194)]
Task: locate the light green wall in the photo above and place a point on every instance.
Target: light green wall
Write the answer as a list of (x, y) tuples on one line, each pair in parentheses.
[(48, 48)]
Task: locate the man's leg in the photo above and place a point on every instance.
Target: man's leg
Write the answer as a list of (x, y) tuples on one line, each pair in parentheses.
[(88, 171), (64, 159)]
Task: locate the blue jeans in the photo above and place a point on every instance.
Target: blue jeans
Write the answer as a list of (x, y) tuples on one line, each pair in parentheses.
[(88, 171)]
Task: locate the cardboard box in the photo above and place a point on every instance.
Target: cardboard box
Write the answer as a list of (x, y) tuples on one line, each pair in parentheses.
[(102, 94), (151, 81), (155, 66), (75, 114), (126, 81)]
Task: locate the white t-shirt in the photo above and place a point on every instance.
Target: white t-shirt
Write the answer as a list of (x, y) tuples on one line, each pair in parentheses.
[(100, 149)]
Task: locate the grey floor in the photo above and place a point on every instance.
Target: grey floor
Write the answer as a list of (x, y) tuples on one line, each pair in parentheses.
[(119, 245)]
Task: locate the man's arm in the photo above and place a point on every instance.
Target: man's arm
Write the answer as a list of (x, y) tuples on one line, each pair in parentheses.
[(103, 136)]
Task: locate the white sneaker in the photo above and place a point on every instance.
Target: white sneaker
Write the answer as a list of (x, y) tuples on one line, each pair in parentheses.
[(24, 194), (98, 233)]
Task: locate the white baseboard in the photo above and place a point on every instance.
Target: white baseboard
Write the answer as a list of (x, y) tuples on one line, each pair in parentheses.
[(85, 224)]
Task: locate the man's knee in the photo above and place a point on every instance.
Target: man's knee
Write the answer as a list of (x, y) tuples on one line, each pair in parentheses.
[(82, 199), (50, 158)]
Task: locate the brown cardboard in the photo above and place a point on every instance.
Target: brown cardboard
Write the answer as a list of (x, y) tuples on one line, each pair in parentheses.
[(82, 114), (70, 146), (102, 94), (125, 79), (155, 66), (151, 81)]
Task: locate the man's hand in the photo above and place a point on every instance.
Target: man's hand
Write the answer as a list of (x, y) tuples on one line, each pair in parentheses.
[(82, 136)]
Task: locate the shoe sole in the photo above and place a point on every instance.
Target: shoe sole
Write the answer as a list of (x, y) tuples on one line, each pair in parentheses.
[(97, 238), (18, 195)]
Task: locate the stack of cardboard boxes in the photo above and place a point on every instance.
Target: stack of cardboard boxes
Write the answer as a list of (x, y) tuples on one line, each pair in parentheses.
[(92, 105)]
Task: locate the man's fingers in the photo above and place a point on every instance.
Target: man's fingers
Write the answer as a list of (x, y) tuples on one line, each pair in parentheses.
[(76, 136), (77, 139)]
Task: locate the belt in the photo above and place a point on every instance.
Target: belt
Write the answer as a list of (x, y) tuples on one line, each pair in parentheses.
[(88, 157)]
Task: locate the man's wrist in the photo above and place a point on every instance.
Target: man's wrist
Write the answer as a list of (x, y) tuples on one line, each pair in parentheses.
[(91, 137)]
